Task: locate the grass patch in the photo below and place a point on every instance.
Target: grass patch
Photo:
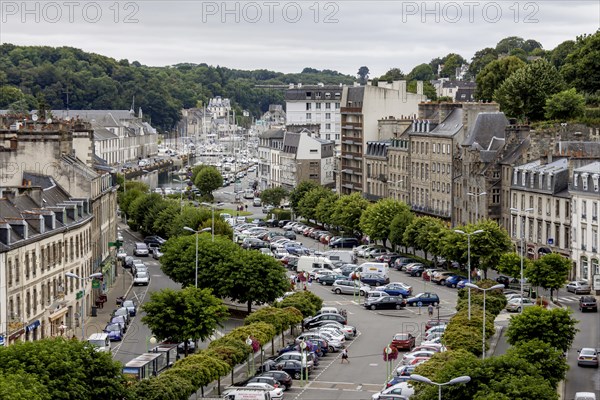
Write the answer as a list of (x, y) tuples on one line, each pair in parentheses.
[(232, 212)]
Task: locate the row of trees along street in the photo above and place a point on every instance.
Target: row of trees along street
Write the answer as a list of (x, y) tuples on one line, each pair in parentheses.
[(394, 224), (531, 369)]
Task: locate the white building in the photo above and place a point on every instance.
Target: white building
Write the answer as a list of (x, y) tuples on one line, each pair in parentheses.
[(542, 187), (308, 105), (585, 197)]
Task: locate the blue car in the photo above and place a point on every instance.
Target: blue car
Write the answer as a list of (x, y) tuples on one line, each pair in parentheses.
[(374, 279), (461, 283), (453, 280), (115, 333), (296, 250), (396, 289)]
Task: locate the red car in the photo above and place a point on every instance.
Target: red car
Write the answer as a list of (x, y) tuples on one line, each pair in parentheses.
[(403, 341), (435, 322)]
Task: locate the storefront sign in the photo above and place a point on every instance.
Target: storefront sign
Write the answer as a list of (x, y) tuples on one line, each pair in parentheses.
[(33, 325)]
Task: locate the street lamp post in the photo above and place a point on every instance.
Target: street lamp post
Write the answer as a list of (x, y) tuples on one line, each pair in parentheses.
[(476, 203), (469, 258), (213, 206), (470, 285), (527, 210), (82, 279), (187, 228), (420, 378)]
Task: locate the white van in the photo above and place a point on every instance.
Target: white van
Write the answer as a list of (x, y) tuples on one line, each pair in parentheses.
[(346, 257), (308, 263), (100, 341), (374, 268), (585, 396), (248, 394)]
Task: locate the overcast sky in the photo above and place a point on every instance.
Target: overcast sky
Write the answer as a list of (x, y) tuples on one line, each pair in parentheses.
[(287, 36)]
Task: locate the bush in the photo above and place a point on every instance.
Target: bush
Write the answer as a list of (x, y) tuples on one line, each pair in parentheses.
[(281, 214)]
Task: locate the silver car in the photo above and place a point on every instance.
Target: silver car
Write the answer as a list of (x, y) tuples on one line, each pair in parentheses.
[(579, 287), (350, 287)]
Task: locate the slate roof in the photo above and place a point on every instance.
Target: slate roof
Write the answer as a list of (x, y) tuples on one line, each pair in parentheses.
[(273, 134), (488, 132), (592, 168), (449, 127)]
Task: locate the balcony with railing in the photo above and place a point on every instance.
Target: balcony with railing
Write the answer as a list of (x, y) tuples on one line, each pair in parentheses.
[(351, 110)]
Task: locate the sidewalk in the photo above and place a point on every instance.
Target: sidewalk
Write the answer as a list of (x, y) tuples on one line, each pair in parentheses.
[(121, 287)]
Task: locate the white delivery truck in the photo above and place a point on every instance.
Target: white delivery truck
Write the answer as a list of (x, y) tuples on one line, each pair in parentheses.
[(308, 263), (374, 268), (344, 256)]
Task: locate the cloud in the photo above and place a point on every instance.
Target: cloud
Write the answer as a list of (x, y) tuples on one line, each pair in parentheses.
[(290, 35)]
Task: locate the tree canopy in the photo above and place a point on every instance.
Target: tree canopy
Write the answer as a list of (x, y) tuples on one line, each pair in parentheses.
[(493, 75), (273, 196)]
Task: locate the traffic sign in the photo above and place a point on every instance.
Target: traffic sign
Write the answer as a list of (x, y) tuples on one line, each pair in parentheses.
[(420, 304)]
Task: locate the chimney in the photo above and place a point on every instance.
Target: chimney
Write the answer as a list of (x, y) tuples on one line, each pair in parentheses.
[(419, 87), (14, 143)]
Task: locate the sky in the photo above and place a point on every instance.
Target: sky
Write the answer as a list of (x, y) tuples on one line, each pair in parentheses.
[(287, 36)]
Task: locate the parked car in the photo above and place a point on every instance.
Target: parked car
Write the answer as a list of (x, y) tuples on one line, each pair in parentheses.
[(374, 279), (122, 312), (441, 277), (348, 330), (316, 321), (156, 253), (348, 269), (409, 357), (130, 306), (462, 283), (347, 286), (275, 393), (121, 320), (154, 239), (435, 322), (403, 341), (516, 304), (281, 376), (141, 278), (402, 262), (121, 254), (503, 279), (385, 302), (332, 344), (363, 252), (377, 251), (417, 270), (453, 280), (254, 243), (328, 280), (428, 273), (397, 289), (114, 331), (290, 235), (424, 298), (579, 287), (400, 391), (141, 249), (588, 357), (293, 368), (344, 243)]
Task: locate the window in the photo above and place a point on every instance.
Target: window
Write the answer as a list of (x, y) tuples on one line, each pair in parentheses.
[(318, 106), (328, 106), (530, 201), (10, 272), (327, 115), (328, 136), (585, 181), (583, 209), (547, 206), (594, 240), (567, 207), (328, 127), (495, 196), (17, 270), (539, 206), (308, 116), (308, 106), (594, 211), (539, 231), (337, 106), (514, 202)]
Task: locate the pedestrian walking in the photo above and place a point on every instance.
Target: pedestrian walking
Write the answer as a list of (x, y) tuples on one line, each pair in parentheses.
[(345, 356), (430, 311)]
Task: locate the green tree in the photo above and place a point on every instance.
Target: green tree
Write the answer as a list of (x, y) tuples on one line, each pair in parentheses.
[(491, 77), (550, 271), (507, 44), (565, 105), (425, 234), (251, 278), (558, 56), (140, 208), (164, 219), (188, 216), (523, 94), (307, 207), (375, 220), (299, 192), (555, 327), (208, 180), (450, 63), (67, 369), (179, 315), (488, 246), (548, 360), (394, 74), (421, 72), (20, 385), (273, 196), (166, 386), (305, 302), (581, 65), (347, 212), (510, 264), (324, 210), (363, 74), (481, 59), (398, 226)]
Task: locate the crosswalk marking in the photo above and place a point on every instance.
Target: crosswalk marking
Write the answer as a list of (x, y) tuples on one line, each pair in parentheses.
[(570, 299)]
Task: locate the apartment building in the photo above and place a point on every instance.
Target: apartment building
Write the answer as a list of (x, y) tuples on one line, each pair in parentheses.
[(362, 108), (315, 104), (270, 145), (585, 198), (540, 208), (56, 158), (376, 160)]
